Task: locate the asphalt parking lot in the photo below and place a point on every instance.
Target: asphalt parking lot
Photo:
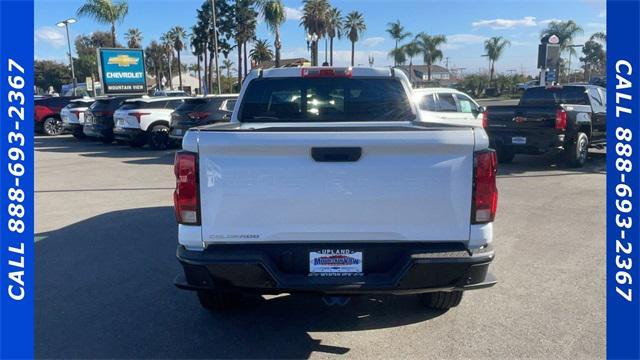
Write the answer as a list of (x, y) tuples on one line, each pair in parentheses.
[(105, 260)]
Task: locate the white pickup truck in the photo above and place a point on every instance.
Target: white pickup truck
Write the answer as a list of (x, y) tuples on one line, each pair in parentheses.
[(325, 182)]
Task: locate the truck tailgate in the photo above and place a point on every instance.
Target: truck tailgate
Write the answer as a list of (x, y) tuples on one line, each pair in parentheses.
[(267, 186)]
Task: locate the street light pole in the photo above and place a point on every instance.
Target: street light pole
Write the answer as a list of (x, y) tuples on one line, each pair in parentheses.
[(66, 23), (215, 43)]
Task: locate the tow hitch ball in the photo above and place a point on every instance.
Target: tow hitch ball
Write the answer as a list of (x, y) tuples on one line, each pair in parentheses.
[(336, 300)]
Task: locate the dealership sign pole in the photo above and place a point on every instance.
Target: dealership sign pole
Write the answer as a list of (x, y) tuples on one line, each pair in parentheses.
[(16, 179), (623, 182)]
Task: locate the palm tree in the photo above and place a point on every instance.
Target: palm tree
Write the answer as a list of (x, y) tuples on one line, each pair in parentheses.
[(599, 36), (411, 50), (167, 45), (274, 15), (105, 12), (134, 38), (354, 26), (314, 21), (261, 52), (228, 65), (399, 56), (154, 54), (429, 47), (334, 29), (179, 36), (398, 34), (494, 47)]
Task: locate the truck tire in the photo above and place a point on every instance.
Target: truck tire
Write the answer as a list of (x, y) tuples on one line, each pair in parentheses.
[(159, 137), (576, 153), (218, 299), (505, 155), (442, 300), (52, 126)]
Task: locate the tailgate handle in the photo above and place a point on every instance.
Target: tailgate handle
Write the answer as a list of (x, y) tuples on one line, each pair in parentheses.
[(336, 154)]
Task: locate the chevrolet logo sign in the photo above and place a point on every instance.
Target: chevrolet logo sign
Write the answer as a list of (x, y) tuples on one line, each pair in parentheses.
[(123, 60)]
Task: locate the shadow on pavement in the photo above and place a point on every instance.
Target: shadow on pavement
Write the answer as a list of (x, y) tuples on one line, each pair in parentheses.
[(104, 290), (95, 148), (528, 165)]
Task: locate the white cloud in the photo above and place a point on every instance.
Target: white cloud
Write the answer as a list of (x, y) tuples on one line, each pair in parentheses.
[(548, 21), (505, 23), (293, 13), (457, 41), (50, 35), (373, 41)]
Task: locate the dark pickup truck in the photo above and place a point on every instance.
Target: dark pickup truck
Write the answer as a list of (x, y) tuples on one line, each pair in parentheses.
[(565, 119)]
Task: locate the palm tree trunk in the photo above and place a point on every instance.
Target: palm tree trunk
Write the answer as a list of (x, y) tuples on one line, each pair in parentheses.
[(239, 46), (429, 69), (170, 72), (199, 77), (113, 34), (395, 52), (211, 72), (246, 63), (277, 45), (353, 53), (331, 51), (179, 70), (411, 70), (205, 81), (491, 72)]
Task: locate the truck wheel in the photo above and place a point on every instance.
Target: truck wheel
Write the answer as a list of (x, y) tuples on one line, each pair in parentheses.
[(159, 137), (505, 155), (442, 300), (218, 299), (52, 126), (576, 153)]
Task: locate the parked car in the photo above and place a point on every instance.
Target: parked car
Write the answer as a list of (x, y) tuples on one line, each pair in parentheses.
[(447, 106), (325, 182), (566, 119), (145, 120), (98, 121), (73, 116), (203, 110), (179, 93), (47, 114)]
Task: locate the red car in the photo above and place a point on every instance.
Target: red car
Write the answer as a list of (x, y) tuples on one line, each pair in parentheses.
[(47, 114)]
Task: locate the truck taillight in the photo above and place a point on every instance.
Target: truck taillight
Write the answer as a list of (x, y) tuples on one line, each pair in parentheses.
[(561, 119), (325, 72), (186, 194), (485, 192), (198, 115), (485, 119), (138, 115)]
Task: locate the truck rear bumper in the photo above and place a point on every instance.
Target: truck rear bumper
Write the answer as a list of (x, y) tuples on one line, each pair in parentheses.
[(402, 268), (536, 142)]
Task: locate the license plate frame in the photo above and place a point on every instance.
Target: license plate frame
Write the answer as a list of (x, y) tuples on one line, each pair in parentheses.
[(519, 140), (336, 262)]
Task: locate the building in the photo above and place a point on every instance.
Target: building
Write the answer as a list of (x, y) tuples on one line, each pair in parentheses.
[(296, 62), (439, 75)]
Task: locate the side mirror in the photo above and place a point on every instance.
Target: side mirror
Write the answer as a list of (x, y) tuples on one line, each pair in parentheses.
[(478, 111)]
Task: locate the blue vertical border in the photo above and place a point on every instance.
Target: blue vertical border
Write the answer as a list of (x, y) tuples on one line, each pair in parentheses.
[(623, 132), (16, 316)]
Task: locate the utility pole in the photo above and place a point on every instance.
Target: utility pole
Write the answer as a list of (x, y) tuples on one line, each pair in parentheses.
[(215, 42), (66, 23), (446, 61)]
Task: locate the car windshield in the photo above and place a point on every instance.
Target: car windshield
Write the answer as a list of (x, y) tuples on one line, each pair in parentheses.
[(575, 95), (203, 104), (325, 100)]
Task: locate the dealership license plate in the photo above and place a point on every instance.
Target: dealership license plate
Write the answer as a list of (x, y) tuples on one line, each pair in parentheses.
[(519, 140), (335, 262)]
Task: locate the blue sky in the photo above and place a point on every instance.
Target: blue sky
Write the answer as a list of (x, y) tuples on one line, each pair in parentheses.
[(466, 24)]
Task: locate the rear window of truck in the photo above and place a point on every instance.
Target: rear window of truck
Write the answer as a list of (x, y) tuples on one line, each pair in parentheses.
[(205, 104), (325, 100), (541, 96)]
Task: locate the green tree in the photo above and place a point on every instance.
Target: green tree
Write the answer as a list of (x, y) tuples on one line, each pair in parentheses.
[(429, 46), (166, 41), (261, 52), (227, 65), (105, 12), (411, 50), (397, 33), (86, 64), (178, 36), (245, 24), (134, 38), (594, 59), (274, 15), (154, 57), (314, 21), (495, 47), (334, 29), (51, 73), (354, 26), (399, 56), (566, 31)]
